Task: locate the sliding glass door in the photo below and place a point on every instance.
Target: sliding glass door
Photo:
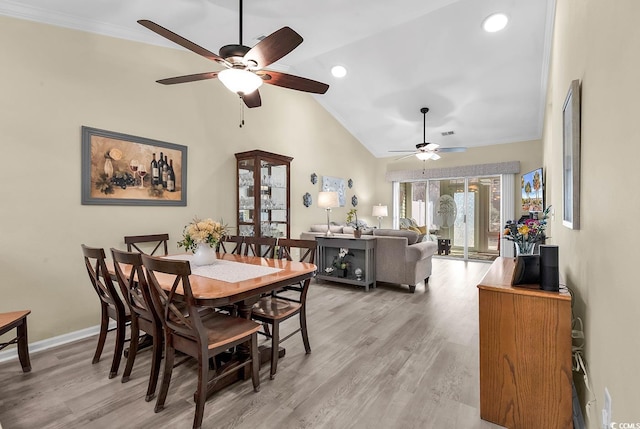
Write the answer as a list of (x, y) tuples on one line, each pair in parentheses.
[(462, 214)]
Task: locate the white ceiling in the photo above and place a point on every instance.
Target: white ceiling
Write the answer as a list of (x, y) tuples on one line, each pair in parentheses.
[(489, 88)]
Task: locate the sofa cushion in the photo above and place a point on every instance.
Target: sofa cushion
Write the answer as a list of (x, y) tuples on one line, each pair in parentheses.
[(420, 251), (411, 236), (323, 228), (350, 229)]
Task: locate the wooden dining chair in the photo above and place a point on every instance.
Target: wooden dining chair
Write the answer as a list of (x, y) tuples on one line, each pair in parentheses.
[(259, 246), (202, 336), (137, 296), (17, 320), (160, 241), (110, 303), (285, 303), (230, 244)]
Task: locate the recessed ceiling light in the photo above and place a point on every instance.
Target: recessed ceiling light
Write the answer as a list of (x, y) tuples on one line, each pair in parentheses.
[(495, 22), (338, 71)]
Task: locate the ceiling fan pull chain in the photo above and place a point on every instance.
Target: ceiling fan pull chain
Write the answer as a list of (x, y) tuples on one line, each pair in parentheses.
[(241, 112)]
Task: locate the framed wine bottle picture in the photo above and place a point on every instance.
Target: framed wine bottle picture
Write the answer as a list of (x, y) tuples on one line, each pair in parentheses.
[(120, 169)]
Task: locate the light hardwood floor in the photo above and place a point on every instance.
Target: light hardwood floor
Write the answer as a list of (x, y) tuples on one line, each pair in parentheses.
[(383, 359)]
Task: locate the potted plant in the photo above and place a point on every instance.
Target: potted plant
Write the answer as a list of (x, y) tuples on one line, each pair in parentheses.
[(351, 215)]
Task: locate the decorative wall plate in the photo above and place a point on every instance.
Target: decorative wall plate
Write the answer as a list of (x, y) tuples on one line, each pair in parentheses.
[(354, 201), (306, 199), (350, 183), (314, 178)]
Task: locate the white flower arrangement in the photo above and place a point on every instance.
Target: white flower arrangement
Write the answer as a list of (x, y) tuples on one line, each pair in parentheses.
[(202, 231)]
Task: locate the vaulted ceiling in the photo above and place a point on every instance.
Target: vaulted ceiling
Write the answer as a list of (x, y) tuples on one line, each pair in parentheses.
[(488, 88)]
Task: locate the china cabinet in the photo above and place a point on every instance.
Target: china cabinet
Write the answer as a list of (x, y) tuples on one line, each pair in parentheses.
[(263, 183)]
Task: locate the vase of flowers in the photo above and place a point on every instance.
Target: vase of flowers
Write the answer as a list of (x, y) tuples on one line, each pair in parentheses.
[(201, 237), (351, 215), (341, 262), (526, 234)]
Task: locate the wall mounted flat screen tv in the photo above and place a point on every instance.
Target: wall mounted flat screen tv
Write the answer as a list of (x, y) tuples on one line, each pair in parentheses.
[(533, 191)]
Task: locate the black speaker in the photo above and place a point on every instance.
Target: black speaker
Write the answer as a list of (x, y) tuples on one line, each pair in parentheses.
[(549, 272)]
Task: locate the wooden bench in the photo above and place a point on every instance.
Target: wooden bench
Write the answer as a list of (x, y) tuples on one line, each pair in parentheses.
[(18, 320)]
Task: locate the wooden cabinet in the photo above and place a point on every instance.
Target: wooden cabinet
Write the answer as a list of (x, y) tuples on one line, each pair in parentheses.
[(360, 264), (263, 183), (525, 353)]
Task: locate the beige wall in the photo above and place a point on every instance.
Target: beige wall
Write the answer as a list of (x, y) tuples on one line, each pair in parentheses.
[(529, 153), (598, 42), (55, 80)]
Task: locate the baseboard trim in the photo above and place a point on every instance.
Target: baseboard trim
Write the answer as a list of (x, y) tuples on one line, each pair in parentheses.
[(52, 342)]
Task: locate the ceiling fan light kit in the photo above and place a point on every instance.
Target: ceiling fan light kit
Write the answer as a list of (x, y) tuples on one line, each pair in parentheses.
[(240, 81), (425, 151)]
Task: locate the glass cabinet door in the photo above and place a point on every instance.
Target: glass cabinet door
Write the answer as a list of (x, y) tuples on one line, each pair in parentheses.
[(263, 194)]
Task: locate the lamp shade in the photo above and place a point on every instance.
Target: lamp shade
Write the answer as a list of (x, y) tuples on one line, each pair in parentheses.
[(379, 211), (327, 200), (240, 81)]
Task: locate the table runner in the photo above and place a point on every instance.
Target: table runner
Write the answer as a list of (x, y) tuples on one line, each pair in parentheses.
[(227, 271)]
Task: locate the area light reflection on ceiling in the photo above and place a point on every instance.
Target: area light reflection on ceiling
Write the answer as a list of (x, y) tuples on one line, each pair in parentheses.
[(495, 22), (338, 71)]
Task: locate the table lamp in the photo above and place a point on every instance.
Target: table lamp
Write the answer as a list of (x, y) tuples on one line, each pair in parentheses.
[(379, 211), (328, 200)]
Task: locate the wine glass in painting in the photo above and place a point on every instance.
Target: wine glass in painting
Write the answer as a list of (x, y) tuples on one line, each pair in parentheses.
[(133, 166), (142, 171)]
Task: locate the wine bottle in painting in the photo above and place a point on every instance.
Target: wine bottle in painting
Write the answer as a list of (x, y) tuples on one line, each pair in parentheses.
[(164, 172), (155, 173), (171, 178)]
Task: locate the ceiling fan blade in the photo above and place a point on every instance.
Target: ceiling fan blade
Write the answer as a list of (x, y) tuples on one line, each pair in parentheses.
[(404, 157), (188, 78), (290, 81), (435, 156), (253, 99), (412, 151), (452, 149), (432, 146), (273, 47), (168, 34)]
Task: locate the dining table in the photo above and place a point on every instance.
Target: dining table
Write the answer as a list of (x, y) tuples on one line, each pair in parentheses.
[(236, 280)]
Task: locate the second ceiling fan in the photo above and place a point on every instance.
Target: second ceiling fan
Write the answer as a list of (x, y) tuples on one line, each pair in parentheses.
[(245, 69), (424, 150)]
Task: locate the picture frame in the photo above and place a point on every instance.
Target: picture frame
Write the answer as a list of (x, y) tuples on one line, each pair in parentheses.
[(335, 184), (117, 170), (571, 157)]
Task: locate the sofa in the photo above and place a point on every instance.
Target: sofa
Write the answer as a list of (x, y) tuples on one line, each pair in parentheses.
[(400, 257)]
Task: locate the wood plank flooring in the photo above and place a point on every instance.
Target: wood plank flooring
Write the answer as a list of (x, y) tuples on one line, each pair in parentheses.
[(383, 359)]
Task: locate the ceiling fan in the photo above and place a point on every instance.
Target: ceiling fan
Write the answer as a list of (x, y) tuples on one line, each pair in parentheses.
[(245, 67), (424, 150)]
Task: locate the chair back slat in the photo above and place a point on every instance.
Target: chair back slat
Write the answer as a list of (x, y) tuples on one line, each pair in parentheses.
[(260, 246), (94, 260), (160, 240), (231, 244), (134, 287), (306, 249), (179, 319)]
